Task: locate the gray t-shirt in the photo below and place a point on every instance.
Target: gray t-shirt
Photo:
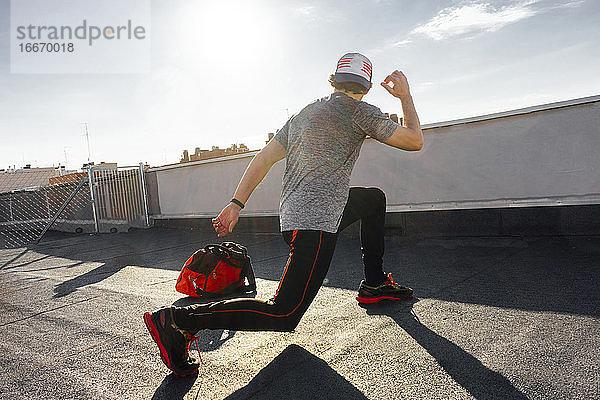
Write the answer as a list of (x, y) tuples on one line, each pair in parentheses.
[(322, 144)]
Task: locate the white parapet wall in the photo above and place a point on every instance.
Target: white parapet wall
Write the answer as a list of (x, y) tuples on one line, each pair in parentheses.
[(539, 156), (202, 188)]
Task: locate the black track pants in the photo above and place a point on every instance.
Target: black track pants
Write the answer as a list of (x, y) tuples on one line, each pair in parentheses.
[(307, 265), (368, 206)]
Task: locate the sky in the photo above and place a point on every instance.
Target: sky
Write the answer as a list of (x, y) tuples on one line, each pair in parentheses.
[(226, 72)]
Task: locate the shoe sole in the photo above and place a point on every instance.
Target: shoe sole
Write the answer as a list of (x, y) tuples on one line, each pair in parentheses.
[(373, 300), (163, 353)]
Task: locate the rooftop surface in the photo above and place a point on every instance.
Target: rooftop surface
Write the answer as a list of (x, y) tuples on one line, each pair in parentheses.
[(493, 318)]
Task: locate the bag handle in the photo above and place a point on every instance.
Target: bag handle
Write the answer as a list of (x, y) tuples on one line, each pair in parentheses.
[(224, 252), (248, 271)]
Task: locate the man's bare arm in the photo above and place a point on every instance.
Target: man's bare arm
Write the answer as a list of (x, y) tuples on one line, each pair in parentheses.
[(410, 137), (257, 170)]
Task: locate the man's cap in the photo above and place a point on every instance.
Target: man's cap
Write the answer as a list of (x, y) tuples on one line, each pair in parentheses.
[(354, 67)]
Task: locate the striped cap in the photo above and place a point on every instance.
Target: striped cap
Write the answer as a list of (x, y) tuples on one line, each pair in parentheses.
[(354, 67)]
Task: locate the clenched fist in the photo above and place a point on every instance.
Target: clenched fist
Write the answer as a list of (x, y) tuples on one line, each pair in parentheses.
[(400, 86)]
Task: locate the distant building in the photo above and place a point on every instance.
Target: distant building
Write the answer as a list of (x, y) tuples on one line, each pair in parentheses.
[(28, 178), (105, 165), (71, 177), (200, 154)]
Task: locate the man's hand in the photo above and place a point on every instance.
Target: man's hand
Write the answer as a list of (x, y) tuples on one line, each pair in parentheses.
[(226, 220), (409, 137), (400, 86)]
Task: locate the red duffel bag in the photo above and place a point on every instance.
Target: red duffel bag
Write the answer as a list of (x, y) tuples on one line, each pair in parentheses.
[(217, 270)]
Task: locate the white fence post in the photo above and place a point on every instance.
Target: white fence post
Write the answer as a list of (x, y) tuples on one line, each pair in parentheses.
[(144, 194), (93, 198)]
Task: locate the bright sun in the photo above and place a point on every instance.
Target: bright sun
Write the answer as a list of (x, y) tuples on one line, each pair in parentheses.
[(231, 36)]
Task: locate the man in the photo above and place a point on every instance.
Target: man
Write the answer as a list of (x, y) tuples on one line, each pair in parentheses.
[(321, 144)]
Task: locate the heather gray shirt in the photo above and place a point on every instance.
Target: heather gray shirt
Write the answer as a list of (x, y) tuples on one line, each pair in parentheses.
[(322, 144)]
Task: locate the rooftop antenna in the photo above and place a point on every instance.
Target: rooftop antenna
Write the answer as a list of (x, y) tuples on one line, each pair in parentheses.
[(66, 161), (87, 138)]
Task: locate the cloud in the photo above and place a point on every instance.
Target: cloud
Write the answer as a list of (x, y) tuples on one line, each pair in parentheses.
[(306, 10), (467, 20), (424, 86), (321, 14), (306, 13), (570, 4), (401, 43), (389, 44), (470, 19)]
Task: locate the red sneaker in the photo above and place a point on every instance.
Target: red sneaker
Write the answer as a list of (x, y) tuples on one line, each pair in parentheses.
[(388, 290), (172, 342)]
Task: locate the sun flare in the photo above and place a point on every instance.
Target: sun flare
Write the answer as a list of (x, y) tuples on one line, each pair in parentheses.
[(229, 36)]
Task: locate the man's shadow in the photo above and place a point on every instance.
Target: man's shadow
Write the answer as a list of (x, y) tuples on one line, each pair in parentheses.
[(480, 381), (298, 374), (96, 275), (108, 268), (293, 374)]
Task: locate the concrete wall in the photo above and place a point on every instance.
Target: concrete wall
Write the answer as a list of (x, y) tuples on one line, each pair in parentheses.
[(548, 157), (202, 188), (540, 156)]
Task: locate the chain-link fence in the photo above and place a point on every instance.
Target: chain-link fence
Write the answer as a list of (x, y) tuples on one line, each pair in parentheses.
[(64, 205), (102, 199)]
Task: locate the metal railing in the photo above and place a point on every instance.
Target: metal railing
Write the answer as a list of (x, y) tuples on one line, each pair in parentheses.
[(119, 198)]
